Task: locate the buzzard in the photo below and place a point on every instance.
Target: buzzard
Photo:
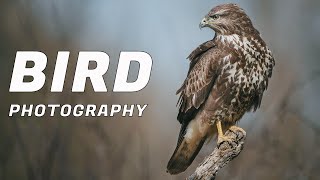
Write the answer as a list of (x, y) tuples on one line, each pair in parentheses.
[(226, 78)]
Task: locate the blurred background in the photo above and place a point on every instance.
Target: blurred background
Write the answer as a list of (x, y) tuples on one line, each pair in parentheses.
[(283, 136)]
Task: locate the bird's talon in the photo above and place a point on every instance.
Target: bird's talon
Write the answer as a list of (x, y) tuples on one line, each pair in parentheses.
[(235, 129), (223, 139)]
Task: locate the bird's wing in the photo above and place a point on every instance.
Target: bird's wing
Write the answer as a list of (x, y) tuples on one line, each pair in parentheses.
[(198, 84)]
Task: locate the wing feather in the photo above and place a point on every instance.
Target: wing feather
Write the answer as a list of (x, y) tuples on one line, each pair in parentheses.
[(200, 79)]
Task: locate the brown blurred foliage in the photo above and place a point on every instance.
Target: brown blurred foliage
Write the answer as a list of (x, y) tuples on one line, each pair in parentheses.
[(283, 143)]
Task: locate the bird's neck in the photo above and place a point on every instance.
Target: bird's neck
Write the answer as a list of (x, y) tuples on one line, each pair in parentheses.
[(228, 39)]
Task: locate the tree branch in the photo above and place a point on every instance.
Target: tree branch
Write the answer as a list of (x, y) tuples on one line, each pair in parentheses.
[(220, 157)]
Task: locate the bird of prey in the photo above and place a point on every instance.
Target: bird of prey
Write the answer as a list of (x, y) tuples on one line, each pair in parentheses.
[(227, 77)]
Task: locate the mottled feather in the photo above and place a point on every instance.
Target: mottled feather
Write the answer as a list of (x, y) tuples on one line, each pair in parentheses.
[(200, 79)]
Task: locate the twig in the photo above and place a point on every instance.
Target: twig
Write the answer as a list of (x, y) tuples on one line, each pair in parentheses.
[(220, 157)]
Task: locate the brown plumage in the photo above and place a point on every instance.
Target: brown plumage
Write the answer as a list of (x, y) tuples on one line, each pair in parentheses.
[(226, 78)]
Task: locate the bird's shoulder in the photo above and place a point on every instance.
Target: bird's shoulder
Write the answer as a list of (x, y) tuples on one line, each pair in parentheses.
[(201, 49)]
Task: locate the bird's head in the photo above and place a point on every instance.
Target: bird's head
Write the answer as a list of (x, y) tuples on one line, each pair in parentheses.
[(228, 19)]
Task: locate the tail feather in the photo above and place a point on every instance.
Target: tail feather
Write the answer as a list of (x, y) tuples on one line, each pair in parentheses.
[(187, 149)]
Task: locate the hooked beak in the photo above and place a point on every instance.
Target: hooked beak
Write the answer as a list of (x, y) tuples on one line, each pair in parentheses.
[(203, 23)]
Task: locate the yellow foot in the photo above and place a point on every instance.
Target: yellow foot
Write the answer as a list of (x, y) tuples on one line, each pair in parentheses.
[(222, 139), (236, 128)]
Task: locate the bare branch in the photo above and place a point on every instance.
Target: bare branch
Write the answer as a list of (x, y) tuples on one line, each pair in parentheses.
[(220, 157)]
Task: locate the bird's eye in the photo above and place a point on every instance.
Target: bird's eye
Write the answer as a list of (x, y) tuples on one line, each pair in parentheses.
[(215, 16)]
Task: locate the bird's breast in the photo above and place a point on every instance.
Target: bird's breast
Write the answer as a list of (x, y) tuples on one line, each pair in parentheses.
[(247, 64)]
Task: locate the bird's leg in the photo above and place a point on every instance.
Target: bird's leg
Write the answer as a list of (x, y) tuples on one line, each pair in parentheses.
[(219, 127), (221, 137)]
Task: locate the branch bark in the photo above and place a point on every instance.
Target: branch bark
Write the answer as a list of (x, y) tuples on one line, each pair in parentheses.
[(220, 157)]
